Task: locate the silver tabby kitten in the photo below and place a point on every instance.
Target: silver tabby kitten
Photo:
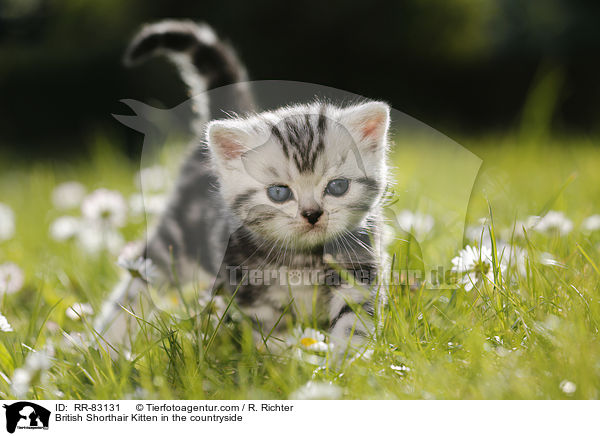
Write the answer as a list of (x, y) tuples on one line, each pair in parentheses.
[(297, 203)]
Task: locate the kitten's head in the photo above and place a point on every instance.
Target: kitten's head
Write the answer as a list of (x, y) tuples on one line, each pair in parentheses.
[(305, 174)]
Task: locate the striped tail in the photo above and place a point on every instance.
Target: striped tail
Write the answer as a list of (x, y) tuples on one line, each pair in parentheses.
[(204, 61)]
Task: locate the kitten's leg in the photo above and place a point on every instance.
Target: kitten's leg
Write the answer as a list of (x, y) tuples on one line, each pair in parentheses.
[(115, 325), (268, 324), (351, 319)]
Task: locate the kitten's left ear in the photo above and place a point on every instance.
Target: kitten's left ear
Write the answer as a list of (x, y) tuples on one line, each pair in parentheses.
[(369, 122)]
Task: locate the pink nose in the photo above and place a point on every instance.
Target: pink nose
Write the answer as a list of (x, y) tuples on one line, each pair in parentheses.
[(312, 215)]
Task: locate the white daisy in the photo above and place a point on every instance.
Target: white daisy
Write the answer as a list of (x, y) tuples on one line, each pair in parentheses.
[(11, 278), (36, 365), (39, 360), (105, 207), (140, 267), (152, 179), (68, 195), (591, 223), (4, 324), (94, 238), (400, 369), (78, 310), (568, 387), (7, 222), (317, 391), (473, 265), (553, 221), (64, 228), (310, 340), (20, 382), (416, 223)]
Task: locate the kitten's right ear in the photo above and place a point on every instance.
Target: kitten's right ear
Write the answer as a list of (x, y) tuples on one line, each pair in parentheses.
[(226, 139)]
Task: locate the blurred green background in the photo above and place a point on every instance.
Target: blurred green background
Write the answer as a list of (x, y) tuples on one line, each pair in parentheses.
[(463, 67)]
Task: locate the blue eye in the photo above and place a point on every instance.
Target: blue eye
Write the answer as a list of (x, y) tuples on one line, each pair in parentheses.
[(337, 187), (279, 194)]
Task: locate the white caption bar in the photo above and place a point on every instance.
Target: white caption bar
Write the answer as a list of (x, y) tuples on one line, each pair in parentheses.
[(297, 417)]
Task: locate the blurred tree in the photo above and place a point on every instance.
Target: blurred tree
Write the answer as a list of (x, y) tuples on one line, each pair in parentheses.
[(459, 65)]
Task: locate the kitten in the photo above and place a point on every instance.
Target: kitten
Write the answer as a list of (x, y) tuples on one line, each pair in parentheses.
[(297, 203)]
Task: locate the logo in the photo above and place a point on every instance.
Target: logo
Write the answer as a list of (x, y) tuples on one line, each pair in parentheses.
[(26, 415)]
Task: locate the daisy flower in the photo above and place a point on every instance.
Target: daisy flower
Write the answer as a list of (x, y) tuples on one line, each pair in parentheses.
[(140, 267), (310, 340), (68, 195), (400, 369), (7, 222), (20, 382), (473, 265), (415, 223), (64, 228), (4, 324), (553, 221), (317, 391), (77, 310), (11, 278), (34, 371), (105, 207), (568, 387), (591, 223)]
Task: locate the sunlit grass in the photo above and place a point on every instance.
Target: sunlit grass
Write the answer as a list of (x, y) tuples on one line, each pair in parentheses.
[(524, 334)]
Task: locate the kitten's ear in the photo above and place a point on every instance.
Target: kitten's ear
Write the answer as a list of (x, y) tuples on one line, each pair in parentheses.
[(369, 121), (226, 139)]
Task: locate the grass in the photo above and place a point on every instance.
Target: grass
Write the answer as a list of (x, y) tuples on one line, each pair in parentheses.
[(528, 334)]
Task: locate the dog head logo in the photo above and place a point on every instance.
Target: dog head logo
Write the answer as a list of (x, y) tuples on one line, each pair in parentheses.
[(26, 415)]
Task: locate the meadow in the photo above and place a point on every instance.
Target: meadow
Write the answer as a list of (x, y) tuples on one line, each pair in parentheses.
[(521, 321)]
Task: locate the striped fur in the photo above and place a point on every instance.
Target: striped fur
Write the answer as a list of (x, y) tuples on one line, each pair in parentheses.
[(221, 220)]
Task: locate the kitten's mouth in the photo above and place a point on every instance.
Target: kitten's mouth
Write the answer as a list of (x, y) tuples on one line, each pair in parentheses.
[(316, 228)]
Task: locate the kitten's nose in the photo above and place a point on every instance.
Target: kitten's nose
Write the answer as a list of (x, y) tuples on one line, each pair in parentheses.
[(312, 215)]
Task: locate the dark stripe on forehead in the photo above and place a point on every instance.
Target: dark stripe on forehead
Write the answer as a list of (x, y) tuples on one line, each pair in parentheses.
[(309, 130), (322, 122), (294, 132), (297, 142), (313, 143), (302, 138), (239, 201), (277, 134)]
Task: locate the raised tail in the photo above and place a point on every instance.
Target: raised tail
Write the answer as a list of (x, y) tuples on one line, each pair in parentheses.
[(204, 61)]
